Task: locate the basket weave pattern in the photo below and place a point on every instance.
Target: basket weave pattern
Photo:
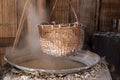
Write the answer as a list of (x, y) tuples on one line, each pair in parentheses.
[(59, 41)]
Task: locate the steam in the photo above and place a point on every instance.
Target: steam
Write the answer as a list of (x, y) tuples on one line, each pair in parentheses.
[(30, 42), (34, 18)]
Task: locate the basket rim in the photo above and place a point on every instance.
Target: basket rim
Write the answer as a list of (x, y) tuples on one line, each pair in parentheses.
[(59, 25)]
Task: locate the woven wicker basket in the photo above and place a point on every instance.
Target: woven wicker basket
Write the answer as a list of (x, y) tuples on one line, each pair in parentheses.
[(60, 40)]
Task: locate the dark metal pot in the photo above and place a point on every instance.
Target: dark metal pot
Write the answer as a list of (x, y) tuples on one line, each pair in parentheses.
[(108, 44)]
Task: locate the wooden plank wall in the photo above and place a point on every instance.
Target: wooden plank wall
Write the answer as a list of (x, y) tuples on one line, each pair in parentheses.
[(86, 11), (97, 15), (61, 12), (109, 11), (2, 52), (8, 25), (76, 6), (8, 21), (1, 12)]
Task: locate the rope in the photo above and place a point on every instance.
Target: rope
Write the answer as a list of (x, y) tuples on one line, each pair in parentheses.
[(20, 25), (72, 8), (77, 46), (53, 8)]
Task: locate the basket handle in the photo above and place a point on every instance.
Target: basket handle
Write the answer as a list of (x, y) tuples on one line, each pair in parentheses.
[(75, 15), (72, 8), (53, 8)]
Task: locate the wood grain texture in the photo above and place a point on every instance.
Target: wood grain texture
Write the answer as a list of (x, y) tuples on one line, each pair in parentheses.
[(109, 11), (1, 14), (8, 18), (2, 53), (8, 30), (8, 25), (76, 6), (88, 13), (9, 12), (61, 12), (8, 41)]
